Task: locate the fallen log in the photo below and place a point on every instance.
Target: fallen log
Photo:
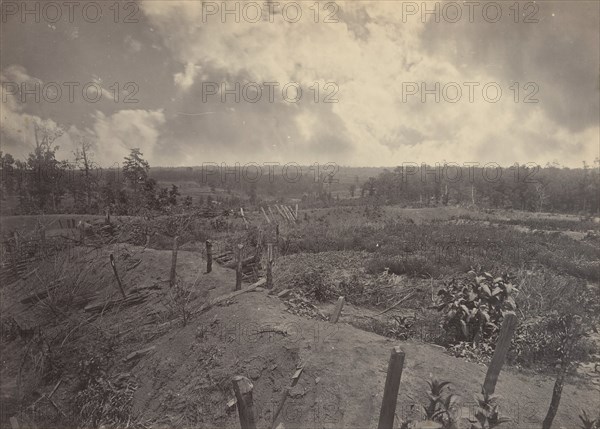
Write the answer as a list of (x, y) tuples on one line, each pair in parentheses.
[(105, 305), (247, 261), (228, 296)]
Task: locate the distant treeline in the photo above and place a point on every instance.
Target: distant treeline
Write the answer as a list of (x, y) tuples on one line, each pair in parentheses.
[(43, 184), (522, 187), (530, 188)]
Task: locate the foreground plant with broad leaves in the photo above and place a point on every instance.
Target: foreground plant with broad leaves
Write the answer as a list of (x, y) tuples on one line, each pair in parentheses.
[(474, 308), (441, 412), (487, 414)]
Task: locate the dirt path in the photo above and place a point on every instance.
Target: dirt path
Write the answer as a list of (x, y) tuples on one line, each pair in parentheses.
[(187, 380)]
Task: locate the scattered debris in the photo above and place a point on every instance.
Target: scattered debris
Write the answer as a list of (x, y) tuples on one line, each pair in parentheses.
[(138, 353)]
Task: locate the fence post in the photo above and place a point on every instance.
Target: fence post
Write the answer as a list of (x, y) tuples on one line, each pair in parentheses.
[(208, 256), (390, 392), (245, 404), (238, 270), (506, 332), (269, 265), (107, 220), (172, 278), (114, 267), (337, 310), (43, 239), (244, 217)]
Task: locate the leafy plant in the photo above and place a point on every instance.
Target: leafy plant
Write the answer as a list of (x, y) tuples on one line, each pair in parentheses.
[(438, 413), (178, 302), (487, 414), (475, 307), (587, 422)]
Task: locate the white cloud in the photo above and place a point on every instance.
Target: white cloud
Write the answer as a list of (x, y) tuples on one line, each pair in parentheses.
[(186, 79), (17, 125), (369, 71), (117, 134)]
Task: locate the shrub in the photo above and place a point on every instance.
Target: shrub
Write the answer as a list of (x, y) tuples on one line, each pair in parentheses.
[(487, 413), (474, 307)]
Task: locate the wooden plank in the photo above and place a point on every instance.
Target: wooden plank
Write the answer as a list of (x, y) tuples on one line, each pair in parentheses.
[(506, 332), (105, 305), (229, 296), (138, 353), (280, 212), (390, 392), (265, 215)]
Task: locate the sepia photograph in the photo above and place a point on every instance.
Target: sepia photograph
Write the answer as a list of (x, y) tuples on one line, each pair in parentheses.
[(310, 214)]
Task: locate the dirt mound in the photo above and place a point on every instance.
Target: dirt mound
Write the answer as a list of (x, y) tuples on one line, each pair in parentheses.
[(163, 374)]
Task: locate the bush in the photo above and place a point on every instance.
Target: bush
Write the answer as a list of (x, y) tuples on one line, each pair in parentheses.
[(538, 342), (474, 307)]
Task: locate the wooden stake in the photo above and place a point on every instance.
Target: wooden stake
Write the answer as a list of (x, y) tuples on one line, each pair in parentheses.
[(114, 267), (271, 212), (208, 256), (107, 216), (289, 213), (173, 276), (506, 332), (296, 211), (244, 217), (270, 266), (280, 212), (265, 214), (43, 239), (292, 213), (390, 392), (337, 310), (245, 404), (238, 270)]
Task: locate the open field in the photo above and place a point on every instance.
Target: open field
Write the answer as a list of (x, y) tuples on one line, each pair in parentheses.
[(374, 256)]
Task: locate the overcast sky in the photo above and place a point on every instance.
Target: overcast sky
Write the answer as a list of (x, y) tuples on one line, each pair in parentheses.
[(367, 61)]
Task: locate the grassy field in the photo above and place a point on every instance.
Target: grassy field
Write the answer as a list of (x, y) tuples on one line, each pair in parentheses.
[(375, 256)]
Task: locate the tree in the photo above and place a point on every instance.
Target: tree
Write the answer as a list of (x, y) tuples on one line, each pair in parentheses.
[(173, 194), (7, 181), (46, 172), (84, 162), (136, 168), (352, 189), (571, 331)]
